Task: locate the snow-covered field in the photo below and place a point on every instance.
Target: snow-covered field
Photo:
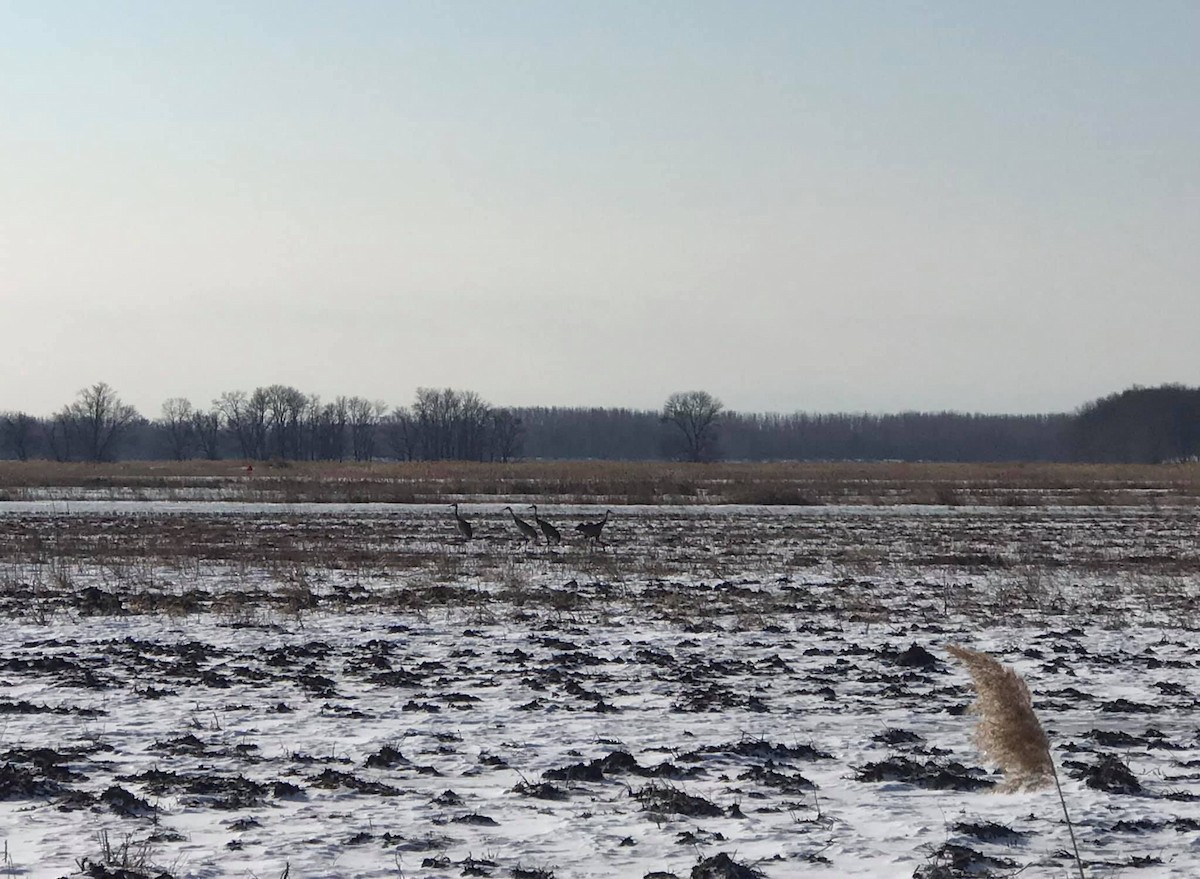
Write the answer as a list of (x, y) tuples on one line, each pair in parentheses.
[(233, 690)]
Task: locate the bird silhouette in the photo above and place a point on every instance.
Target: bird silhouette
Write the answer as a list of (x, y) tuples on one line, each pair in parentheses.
[(527, 530), (464, 527), (552, 534), (591, 530)]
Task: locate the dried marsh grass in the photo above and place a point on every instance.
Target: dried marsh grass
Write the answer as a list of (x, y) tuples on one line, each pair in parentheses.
[(1009, 733), (792, 483)]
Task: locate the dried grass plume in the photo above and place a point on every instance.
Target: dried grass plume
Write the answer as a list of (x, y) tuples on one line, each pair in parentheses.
[(1008, 733)]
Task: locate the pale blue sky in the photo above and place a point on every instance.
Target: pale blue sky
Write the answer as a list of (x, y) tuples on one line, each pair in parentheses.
[(796, 206)]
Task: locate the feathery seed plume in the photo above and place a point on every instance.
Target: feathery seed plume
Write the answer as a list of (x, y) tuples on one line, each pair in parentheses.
[(1008, 733)]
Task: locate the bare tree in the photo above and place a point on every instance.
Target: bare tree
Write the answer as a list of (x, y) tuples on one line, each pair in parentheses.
[(97, 420), (400, 431), (364, 417), (506, 435), (246, 418), (20, 434), (695, 414), (470, 425), (60, 435), (326, 429), (284, 409), (432, 414), (206, 427), (450, 424), (178, 422)]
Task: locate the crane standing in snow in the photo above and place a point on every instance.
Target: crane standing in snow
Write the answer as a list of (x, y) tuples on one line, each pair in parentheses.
[(591, 530), (527, 530), (552, 534), (464, 527)]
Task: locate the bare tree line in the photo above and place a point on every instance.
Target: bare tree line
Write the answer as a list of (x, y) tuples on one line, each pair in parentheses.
[(274, 422), (279, 422)]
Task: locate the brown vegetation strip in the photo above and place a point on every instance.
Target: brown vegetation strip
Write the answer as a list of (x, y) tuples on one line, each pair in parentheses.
[(618, 482)]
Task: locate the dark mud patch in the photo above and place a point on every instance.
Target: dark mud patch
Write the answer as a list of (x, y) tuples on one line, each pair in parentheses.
[(23, 783), (916, 656), (543, 791), (671, 800), (476, 820), (721, 866), (23, 707), (932, 774), (96, 602), (1151, 738), (386, 757), (331, 779), (187, 744), (761, 749), (214, 791), (616, 763), (93, 870), (47, 761), (1106, 773), (990, 831), (895, 736), (769, 776), (126, 804), (953, 861)]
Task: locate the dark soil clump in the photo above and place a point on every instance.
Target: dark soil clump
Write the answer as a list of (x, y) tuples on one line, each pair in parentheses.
[(952, 861), (19, 783), (125, 803), (721, 866), (1108, 773), (917, 656), (990, 831), (931, 774), (663, 798)]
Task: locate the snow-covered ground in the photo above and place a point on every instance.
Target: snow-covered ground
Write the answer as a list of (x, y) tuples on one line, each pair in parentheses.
[(250, 691)]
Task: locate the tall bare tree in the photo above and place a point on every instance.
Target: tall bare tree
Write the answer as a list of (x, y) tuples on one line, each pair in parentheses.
[(178, 422), (325, 429), (206, 427), (450, 424), (246, 418), (472, 420), (97, 420), (400, 432), (20, 434), (364, 417), (505, 435), (695, 414), (284, 409), (232, 407)]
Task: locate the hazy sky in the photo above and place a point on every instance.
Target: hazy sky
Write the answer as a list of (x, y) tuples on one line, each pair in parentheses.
[(820, 206)]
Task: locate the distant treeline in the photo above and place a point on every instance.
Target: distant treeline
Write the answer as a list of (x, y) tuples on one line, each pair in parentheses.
[(626, 434), (1140, 425), (279, 422)]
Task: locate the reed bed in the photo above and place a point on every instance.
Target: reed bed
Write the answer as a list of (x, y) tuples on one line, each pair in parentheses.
[(613, 482)]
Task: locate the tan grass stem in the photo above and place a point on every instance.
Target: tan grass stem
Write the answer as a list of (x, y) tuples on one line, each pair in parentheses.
[(1009, 733)]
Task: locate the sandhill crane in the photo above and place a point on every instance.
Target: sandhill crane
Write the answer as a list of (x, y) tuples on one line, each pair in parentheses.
[(527, 530), (552, 535), (464, 527), (591, 530)]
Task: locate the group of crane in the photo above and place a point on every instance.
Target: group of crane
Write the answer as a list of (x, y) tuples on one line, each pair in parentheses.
[(590, 530)]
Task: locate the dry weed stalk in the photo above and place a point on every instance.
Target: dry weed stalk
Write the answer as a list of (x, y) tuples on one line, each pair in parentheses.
[(1009, 733)]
